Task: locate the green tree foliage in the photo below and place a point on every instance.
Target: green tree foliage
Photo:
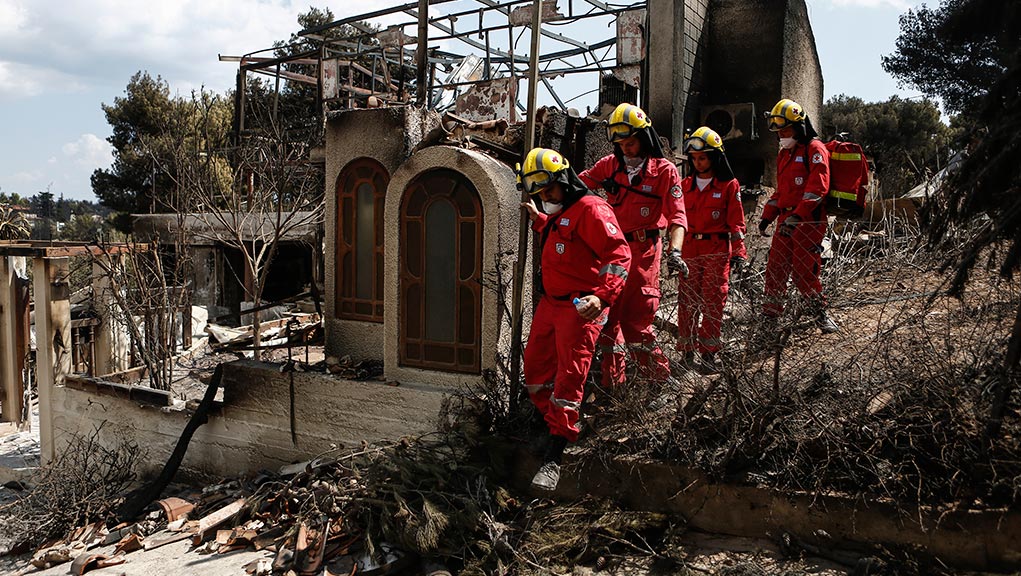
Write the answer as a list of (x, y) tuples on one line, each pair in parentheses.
[(12, 199), (905, 138), (149, 129), (968, 53), (132, 181), (955, 52)]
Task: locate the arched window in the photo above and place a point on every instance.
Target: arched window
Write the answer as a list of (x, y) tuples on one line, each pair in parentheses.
[(361, 191), (440, 273)]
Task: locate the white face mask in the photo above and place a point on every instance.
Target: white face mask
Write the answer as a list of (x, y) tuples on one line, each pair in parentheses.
[(551, 208), (787, 143)]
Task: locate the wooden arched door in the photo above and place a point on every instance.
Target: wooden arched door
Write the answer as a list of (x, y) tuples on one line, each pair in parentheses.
[(440, 273)]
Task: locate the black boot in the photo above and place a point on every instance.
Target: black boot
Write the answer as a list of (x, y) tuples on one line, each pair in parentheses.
[(708, 364)]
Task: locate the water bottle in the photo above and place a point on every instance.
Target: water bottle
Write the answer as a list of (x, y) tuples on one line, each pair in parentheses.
[(601, 319)]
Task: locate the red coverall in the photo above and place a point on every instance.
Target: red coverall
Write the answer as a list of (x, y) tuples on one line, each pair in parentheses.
[(802, 180), (645, 209), (716, 233), (584, 253)]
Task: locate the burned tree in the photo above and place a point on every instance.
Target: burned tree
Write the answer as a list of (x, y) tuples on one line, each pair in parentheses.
[(251, 196)]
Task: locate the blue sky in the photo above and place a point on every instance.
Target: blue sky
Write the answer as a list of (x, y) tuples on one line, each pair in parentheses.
[(61, 59)]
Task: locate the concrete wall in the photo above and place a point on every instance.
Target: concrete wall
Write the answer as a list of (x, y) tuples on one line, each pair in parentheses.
[(252, 430), (760, 51), (695, 47), (387, 136), (501, 211), (802, 73)]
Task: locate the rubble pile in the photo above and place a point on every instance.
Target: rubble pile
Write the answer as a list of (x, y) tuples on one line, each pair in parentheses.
[(430, 505)]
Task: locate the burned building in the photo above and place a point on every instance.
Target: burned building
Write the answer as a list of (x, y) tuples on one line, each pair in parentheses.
[(407, 215), (421, 247)]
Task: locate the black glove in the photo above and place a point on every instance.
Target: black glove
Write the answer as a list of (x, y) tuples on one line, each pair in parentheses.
[(787, 228), (674, 263), (763, 226), (736, 265)]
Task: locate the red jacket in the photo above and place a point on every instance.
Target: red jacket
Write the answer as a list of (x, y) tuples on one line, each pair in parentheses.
[(584, 251), (716, 210), (656, 202), (802, 182)]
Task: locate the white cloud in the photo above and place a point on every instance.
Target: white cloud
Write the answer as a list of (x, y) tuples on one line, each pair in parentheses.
[(27, 177), (103, 42), (13, 16), (24, 81), (89, 151)]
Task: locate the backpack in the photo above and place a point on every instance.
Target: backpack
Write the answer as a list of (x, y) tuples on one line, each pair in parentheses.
[(849, 177)]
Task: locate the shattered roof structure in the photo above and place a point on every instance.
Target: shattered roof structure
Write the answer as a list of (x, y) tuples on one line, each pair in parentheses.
[(463, 55)]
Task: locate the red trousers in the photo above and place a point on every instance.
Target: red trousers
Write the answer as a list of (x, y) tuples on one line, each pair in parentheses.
[(798, 255), (703, 294), (629, 326), (557, 359)]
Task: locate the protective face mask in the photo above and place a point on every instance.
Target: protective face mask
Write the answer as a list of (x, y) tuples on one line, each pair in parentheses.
[(551, 208), (787, 143)]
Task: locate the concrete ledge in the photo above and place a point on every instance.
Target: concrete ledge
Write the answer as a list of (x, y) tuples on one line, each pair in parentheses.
[(976, 540), (252, 430), (101, 386)]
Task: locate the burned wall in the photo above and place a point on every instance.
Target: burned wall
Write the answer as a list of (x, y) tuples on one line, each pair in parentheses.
[(673, 68), (759, 51), (386, 136), (251, 431)]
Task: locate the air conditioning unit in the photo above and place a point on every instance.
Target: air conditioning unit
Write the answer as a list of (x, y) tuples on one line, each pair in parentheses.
[(731, 121)]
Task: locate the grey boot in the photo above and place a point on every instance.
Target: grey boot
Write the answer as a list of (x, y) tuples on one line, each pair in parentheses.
[(826, 324), (548, 476), (666, 395)]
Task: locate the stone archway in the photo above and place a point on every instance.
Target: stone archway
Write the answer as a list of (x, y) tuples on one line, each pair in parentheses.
[(460, 208)]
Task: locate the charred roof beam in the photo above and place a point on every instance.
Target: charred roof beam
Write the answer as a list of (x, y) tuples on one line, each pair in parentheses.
[(367, 16), (559, 37)]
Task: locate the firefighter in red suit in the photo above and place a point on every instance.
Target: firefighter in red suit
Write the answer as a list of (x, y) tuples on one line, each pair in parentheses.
[(713, 248), (644, 189), (583, 268), (799, 210)]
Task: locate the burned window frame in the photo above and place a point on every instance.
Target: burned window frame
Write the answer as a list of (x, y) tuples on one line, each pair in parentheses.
[(348, 305)]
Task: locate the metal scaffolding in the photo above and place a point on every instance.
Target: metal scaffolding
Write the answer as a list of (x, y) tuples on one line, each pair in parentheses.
[(474, 55)]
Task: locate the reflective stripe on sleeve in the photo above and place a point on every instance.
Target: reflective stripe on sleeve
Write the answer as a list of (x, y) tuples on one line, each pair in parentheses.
[(615, 269)]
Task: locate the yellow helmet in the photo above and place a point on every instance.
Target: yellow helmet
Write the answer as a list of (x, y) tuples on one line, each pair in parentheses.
[(541, 168), (702, 138), (785, 112), (625, 121)]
